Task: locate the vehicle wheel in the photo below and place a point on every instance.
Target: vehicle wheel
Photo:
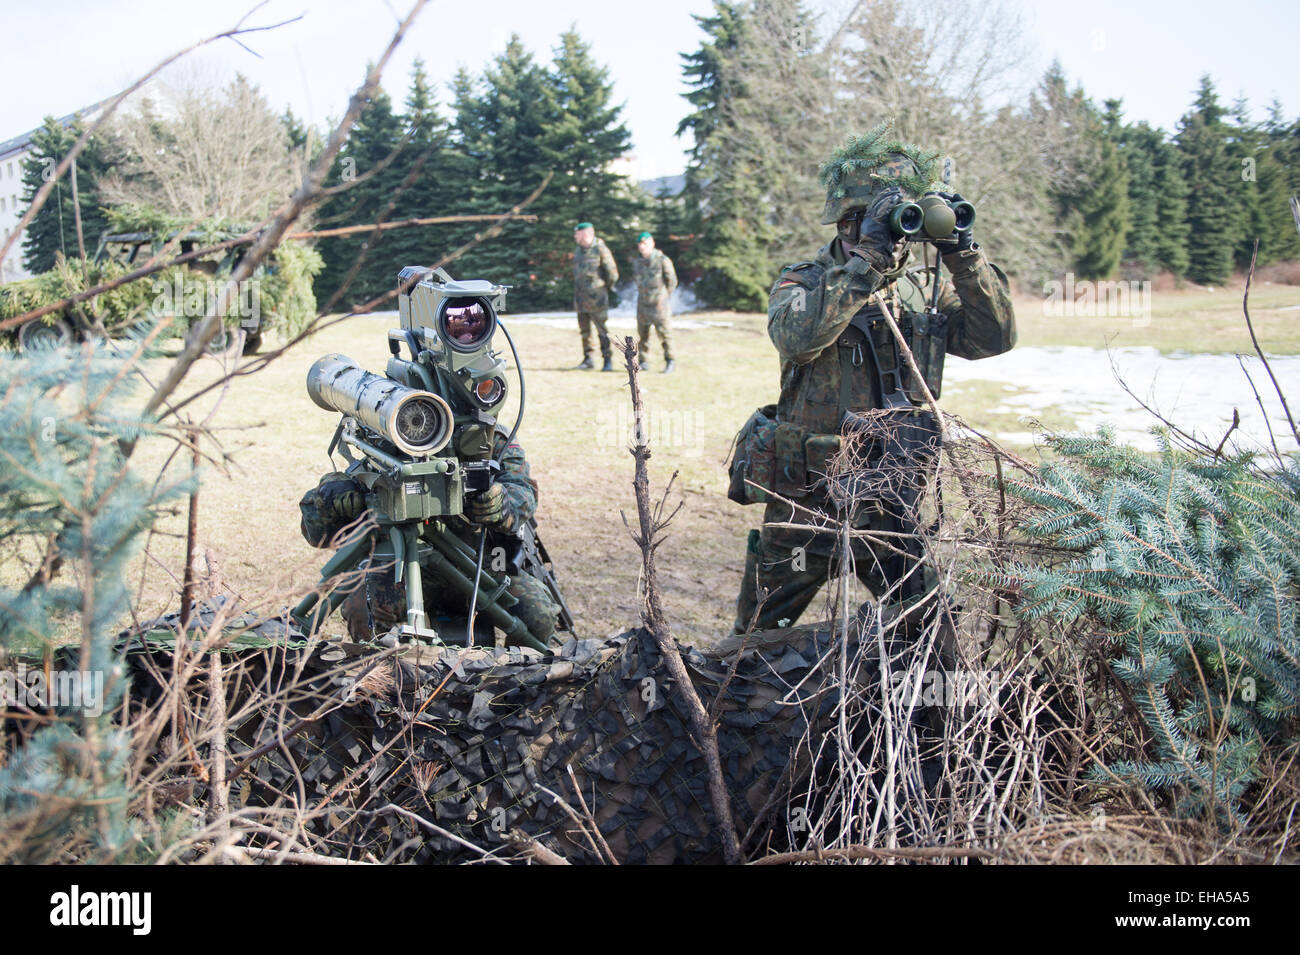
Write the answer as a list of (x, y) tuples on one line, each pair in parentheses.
[(36, 333), (225, 342), (252, 342)]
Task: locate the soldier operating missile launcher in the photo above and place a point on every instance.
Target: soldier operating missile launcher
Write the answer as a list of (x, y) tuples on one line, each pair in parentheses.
[(440, 483)]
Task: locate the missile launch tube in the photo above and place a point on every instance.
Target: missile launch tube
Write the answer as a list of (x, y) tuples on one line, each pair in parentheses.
[(417, 422)]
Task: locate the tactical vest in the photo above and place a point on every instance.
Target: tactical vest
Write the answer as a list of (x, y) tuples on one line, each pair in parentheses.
[(787, 447)]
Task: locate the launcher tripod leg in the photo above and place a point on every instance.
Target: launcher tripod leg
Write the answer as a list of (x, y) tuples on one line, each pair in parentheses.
[(312, 611)]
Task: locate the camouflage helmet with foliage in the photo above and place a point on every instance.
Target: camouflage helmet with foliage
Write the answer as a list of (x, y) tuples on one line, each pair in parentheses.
[(857, 172)]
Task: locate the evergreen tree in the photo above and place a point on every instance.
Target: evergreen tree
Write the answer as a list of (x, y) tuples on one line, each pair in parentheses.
[(53, 230), (737, 163), (1267, 215), (439, 183), (520, 121), (1088, 176), (1284, 138), (1248, 148), (586, 139), (1103, 212), (1157, 197), (1277, 184), (1172, 236), (69, 493), (502, 125), (704, 70), (1213, 197), (295, 129), (1137, 145), (713, 82), (1059, 119), (377, 134), (1190, 567)]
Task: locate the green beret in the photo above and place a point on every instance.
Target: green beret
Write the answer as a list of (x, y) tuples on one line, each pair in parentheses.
[(644, 235), (583, 225)]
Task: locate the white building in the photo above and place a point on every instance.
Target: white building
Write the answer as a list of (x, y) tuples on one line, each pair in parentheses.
[(12, 205)]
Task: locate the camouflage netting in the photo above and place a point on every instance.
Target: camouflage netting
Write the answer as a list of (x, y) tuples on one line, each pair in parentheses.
[(485, 734)]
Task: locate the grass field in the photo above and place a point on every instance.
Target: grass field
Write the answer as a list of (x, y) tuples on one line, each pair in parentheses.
[(575, 432)]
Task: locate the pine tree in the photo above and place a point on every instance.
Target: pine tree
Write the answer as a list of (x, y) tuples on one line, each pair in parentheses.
[(707, 72), (1268, 212), (1088, 176), (1173, 234), (374, 137), (704, 70), (1190, 568), (1212, 181), (1284, 139), (439, 183), (68, 493), (583, 145), (1138, 144), (502, 124), (53, 229), (1248, 149), (1059, 119), (1157, 197), (757, 199), (1103, 212), (520, 121)]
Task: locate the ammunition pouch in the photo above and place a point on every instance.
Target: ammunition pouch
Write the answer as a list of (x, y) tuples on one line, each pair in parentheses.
[(927, 335), (754, 458), (819, 449)]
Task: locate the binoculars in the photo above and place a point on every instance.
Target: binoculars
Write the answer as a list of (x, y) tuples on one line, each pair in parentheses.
[(936, 216)]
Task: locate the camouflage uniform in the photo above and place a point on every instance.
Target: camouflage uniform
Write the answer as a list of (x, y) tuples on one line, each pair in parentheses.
[(380, 604), (594, 274), (656, 279), (823, 376)]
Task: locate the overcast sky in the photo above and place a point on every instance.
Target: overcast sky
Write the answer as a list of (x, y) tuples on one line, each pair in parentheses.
[(63, 54)]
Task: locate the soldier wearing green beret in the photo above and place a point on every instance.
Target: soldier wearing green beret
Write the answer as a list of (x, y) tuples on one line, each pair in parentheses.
[(656, 279), (839, 360), (594, 274)]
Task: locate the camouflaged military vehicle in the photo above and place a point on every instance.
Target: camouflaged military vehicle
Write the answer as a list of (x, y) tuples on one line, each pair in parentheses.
[(277, 297)]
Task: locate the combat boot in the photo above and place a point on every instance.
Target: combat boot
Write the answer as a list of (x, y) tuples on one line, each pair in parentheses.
[(609, 365), (669, 366), (586, 363)]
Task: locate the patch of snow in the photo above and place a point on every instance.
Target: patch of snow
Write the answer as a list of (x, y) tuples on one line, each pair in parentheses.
[(1196, 392)]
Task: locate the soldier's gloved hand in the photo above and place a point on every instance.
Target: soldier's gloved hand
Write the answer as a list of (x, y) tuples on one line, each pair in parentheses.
[(330, 506), (488, 507), (875, 242), (343, 500), (960, 241)]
